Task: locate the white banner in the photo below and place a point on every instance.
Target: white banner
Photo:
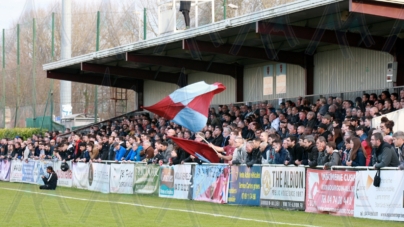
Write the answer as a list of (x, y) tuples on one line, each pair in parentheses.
[(80, 175), (384, 202), (395, 116), (98, 179), (5, 170), (16, 171), (182, 181), (40, 170), (122, 177), (283, 187), (65, 179)]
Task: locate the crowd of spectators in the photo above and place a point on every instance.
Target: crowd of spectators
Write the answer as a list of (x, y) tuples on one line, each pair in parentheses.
[(330, 132)]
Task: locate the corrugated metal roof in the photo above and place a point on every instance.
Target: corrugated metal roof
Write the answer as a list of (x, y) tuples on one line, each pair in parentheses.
[(277, 11)]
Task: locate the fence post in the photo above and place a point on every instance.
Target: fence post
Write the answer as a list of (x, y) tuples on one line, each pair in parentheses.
[(97, 48), (34, 68), (18, 75), (51, 108), (224, 9), (53, 37), (4, 79), (144, 24)]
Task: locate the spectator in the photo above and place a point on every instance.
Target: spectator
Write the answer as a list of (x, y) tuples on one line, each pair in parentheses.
[(398, 138), (332, 158), (134, 154), (321, 147), (384, 154), (275, 121), (226, 152), (240, 153), (322, 131), (311, 150), (386, 126), (217, 137), (295, 151), (85, 155), (324, 106), (356, 156), (148, 152), (119, 151), (267, 153), (311, 120), (253, 152), (280, 152)]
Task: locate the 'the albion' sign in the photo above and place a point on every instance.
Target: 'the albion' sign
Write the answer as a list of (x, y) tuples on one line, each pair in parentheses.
[(283, 187)]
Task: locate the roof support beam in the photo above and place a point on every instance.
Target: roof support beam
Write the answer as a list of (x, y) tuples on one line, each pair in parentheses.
[(95, 79), (130, 72), (180, 63), (327, 36), (246, 52), (376, 8)]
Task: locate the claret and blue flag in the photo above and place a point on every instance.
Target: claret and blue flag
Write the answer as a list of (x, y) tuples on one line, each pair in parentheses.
[(188, 106)]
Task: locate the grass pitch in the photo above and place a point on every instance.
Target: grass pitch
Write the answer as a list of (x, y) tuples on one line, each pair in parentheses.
[(26, 205)]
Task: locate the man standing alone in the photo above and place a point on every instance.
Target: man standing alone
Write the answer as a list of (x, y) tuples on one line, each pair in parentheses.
[(185, 7)]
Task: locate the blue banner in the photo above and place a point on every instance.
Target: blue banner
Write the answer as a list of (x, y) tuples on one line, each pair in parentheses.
[(245, 185), (28, 171), (166, 188), (40, 170), (211, 183)]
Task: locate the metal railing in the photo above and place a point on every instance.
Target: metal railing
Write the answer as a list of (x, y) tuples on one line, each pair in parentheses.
[(101, 123), (349, 95)]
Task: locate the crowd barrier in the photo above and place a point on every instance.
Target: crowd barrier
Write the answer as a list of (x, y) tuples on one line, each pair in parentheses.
[(343, 191)]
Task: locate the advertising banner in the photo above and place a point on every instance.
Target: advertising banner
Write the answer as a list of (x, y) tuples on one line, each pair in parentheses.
[(28, 172), (5, 166), (40, 170), (211, 183), (268, 79), (283, 187), (166, 188), (122, 177), (80, 175), (330, 191), (146, 179), (245, 185), (182, 181), (16, 171), (98, 177), (383, 203), (65, 179)]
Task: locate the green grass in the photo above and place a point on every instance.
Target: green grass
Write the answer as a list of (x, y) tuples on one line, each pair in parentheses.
[(20, 208)]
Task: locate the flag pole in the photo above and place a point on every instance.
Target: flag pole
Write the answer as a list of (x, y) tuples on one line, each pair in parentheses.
[(206, 142)]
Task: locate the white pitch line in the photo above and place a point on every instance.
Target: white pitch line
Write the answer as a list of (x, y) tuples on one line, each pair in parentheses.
[(163, 208)]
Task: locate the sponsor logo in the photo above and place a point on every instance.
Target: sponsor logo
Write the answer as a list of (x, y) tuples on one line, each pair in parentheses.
[(266, 182)]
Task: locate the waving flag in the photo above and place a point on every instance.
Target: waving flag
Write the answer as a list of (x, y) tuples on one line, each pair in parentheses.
[(197, 149), (188, 106)]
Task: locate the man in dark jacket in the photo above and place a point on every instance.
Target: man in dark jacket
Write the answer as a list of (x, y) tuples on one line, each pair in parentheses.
[(295, 151), (384, 156), (185, 7), (51, 181), (312, 152), (218, 137), (253, 152), (398, 138)]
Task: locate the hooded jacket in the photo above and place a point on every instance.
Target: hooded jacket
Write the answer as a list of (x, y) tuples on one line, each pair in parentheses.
[(333, 159)]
